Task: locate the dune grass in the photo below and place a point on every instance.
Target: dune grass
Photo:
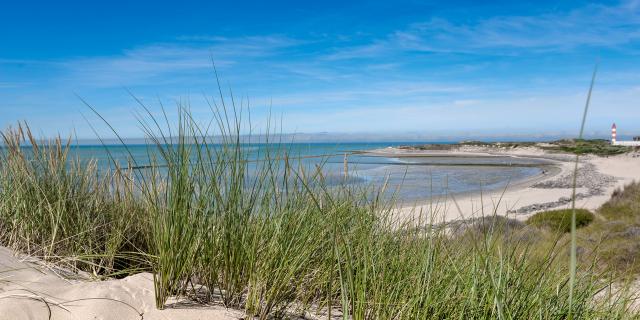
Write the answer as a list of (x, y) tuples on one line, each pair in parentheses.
[(59, 208), (613, 238), (273, 238)]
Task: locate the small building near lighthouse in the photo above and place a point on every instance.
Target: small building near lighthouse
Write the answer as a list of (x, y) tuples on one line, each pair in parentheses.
[(629, 143)]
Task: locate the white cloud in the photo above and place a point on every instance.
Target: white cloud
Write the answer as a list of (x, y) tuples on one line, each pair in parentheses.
[(593, 25), (171, 62)]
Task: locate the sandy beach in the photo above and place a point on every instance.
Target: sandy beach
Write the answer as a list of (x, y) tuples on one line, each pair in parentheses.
[(32, 290), (598, 177)]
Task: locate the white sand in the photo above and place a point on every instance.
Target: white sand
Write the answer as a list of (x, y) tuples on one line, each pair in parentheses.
[(29, 291), (626, 168)]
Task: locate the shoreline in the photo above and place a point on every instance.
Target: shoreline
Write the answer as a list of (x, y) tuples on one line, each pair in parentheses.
[(598, 177), (553, 165)]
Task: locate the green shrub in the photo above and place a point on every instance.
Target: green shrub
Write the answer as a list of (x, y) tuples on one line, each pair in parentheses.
[(561, 219)]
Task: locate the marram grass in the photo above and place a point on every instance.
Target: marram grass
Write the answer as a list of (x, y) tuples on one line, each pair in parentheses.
[(274, 239)]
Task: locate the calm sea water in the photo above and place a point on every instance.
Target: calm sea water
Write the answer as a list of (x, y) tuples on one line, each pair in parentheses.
[(410, 178)]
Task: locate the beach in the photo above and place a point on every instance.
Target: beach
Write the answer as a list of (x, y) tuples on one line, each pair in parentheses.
[(598, 177)]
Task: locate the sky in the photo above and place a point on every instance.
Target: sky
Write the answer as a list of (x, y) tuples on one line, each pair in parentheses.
[(403, 68)]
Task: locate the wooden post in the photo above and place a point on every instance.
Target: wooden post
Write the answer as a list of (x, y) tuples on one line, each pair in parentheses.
[(346, 167)]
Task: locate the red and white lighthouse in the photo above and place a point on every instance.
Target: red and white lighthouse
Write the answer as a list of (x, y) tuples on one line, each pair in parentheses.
[(613, 134)]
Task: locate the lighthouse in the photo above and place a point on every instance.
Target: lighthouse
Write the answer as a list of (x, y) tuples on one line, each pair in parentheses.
[(628, 143)]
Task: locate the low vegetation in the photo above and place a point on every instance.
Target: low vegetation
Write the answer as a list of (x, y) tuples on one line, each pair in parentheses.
[(610, 238), (452, 146), (273, 239), (560, 220), (597, 147), (614, 238)]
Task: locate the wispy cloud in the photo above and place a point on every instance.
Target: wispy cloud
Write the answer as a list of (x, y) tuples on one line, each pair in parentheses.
[(593, 25), (9, 85), (372, 94), (153, 63), (171, 62)]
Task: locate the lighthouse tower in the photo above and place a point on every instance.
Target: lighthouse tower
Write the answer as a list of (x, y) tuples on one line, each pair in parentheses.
[(613, 134)]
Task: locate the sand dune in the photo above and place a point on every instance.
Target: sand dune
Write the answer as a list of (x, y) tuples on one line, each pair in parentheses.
[(31, 291)]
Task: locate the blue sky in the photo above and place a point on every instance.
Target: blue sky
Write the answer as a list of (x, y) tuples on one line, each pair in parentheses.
[(396, 67)]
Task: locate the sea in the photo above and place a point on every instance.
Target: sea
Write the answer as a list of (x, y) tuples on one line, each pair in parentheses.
[(407, 179)]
